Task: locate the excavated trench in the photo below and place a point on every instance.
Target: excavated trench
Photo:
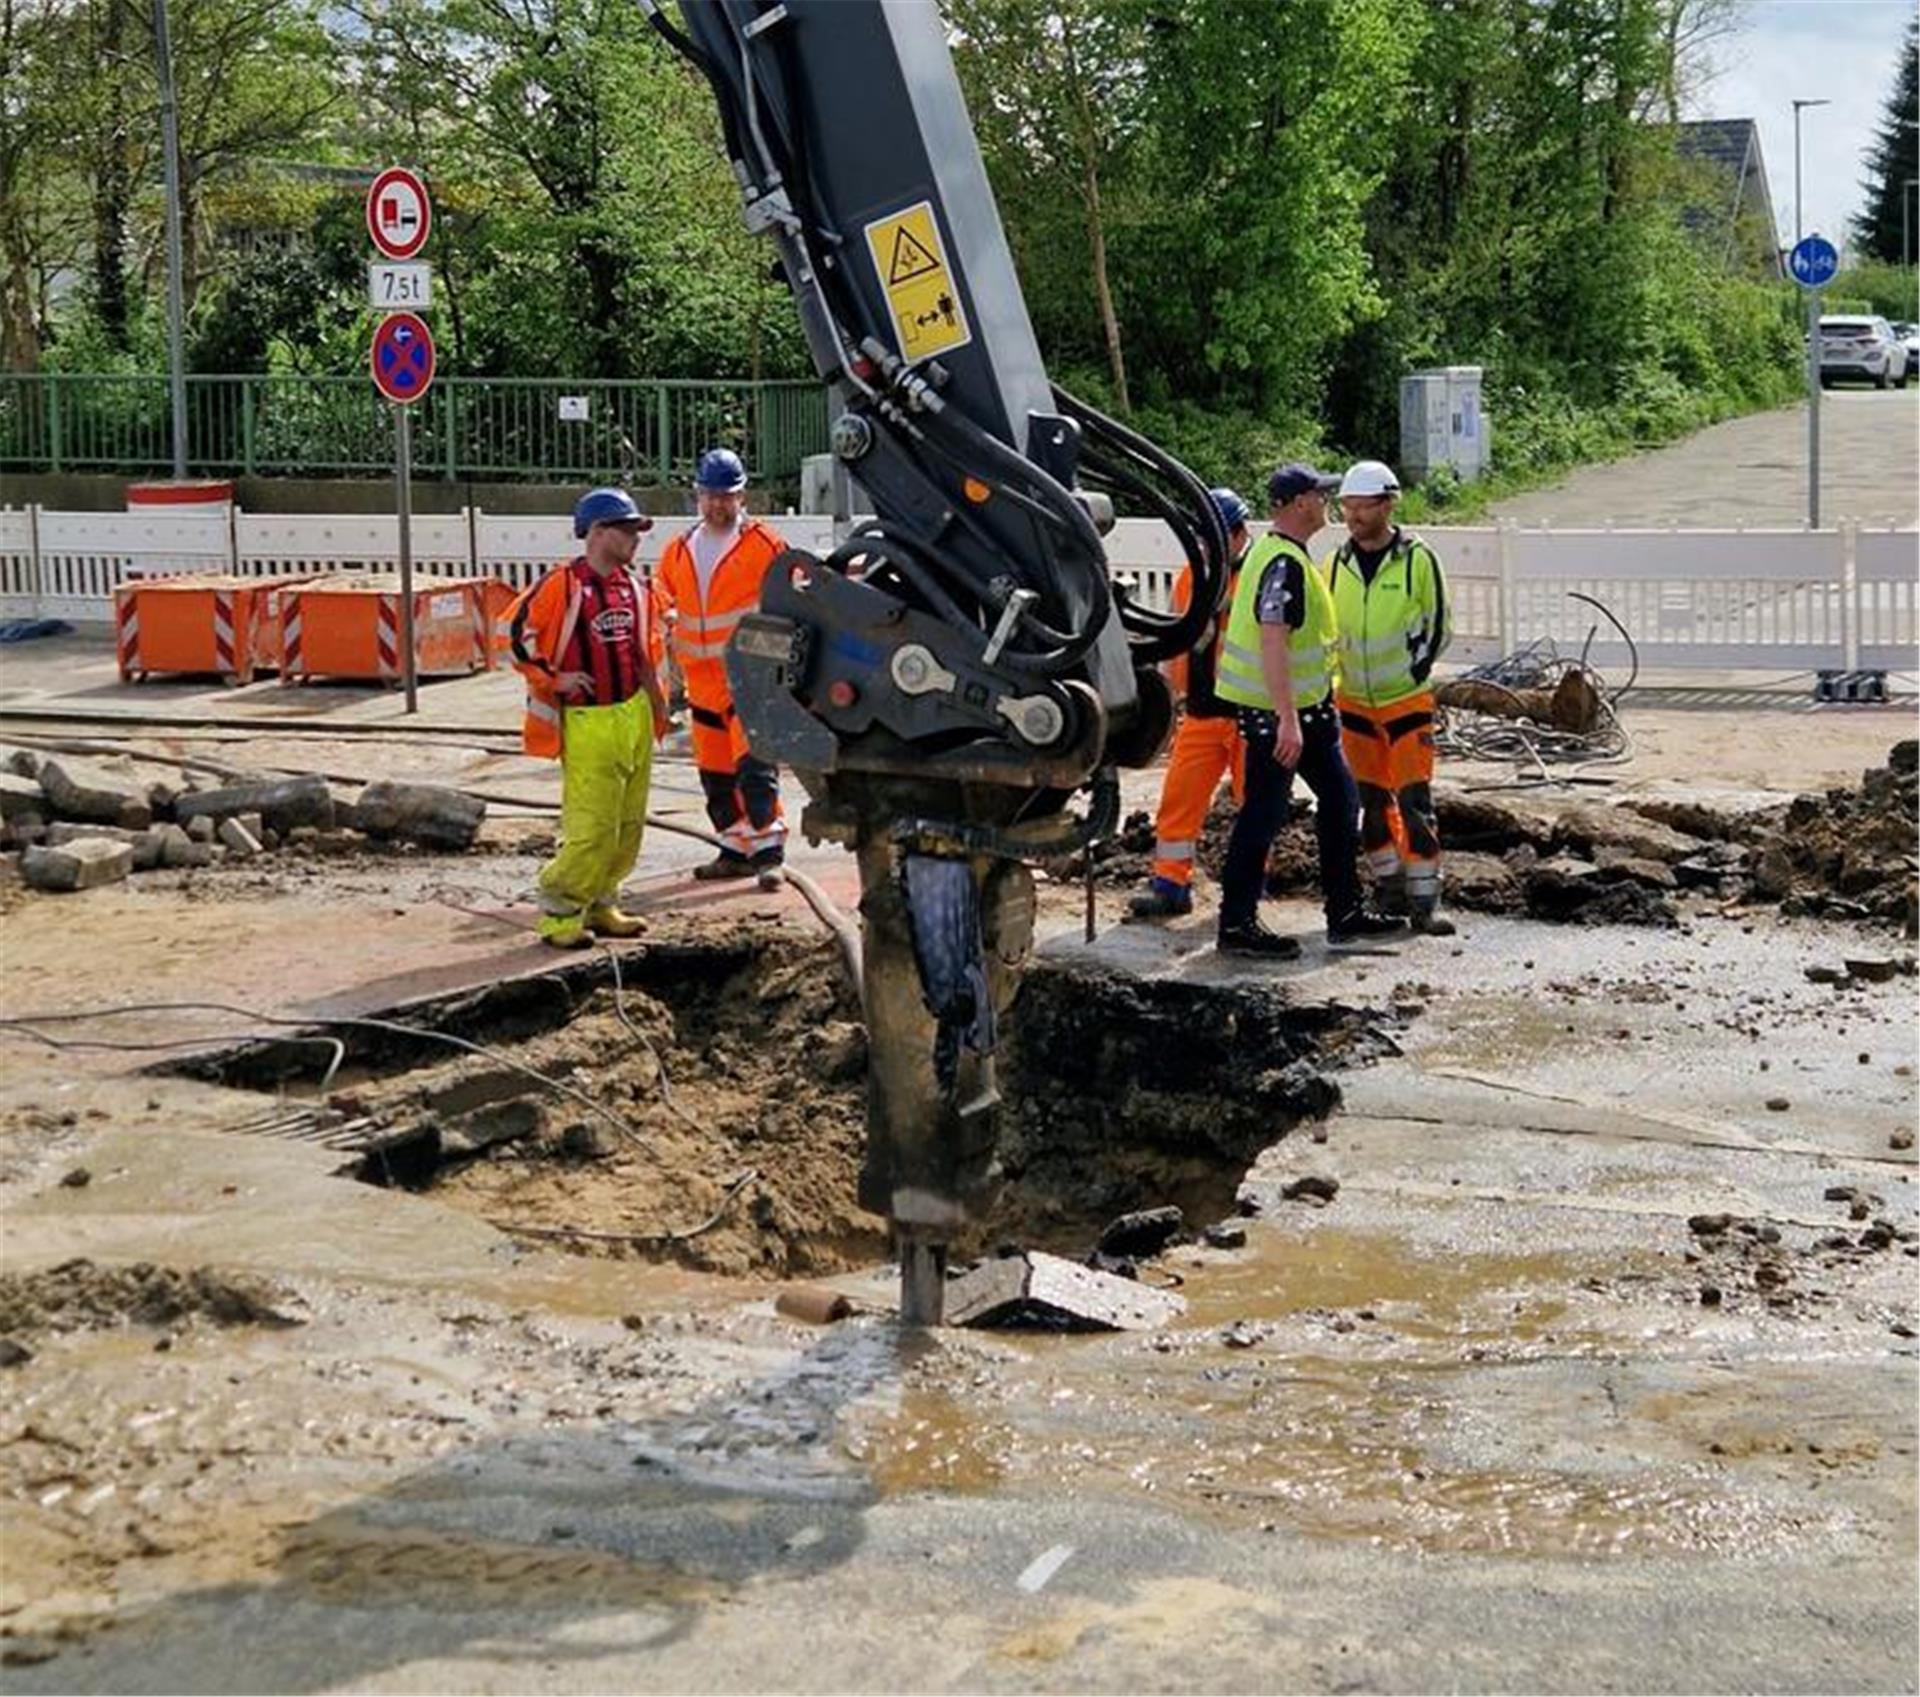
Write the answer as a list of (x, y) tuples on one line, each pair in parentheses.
[(708, 1107)]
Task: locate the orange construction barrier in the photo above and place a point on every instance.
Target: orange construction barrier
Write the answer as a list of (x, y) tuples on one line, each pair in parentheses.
[(199, 623), (347, 625)]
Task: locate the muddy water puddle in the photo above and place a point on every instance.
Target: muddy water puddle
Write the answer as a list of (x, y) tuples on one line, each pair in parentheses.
[(1463, 1425)]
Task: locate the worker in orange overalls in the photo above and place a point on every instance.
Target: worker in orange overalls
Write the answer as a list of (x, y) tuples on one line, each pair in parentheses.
[(588, 644), (1390, 600), (1207, 746), (710, 577)]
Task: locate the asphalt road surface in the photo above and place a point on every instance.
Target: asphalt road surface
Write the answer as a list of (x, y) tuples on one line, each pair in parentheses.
[(1753, 471)]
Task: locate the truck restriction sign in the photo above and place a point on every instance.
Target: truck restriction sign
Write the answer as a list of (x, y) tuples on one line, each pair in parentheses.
[(399, 215)]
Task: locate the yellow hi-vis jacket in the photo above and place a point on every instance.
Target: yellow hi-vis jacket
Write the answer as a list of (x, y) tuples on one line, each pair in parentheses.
[(1242, 679), (1394, 628)]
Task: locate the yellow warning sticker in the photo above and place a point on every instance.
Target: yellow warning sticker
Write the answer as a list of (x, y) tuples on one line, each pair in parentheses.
[(911, 259)]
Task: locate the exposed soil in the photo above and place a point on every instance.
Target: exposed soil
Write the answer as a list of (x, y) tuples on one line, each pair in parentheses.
[(81, 1296), (1125, 860), (1117, 1094)]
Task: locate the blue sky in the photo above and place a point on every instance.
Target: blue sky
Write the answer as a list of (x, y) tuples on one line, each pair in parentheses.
[(1846, 51)]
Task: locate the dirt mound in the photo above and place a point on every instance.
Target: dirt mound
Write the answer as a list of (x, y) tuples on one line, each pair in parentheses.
[(81, 1295), (1125, 860), (1848, 854)]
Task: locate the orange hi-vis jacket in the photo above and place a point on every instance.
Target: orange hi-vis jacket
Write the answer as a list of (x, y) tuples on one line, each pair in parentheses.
[(542, 620), (1192, 674), (699, 627)]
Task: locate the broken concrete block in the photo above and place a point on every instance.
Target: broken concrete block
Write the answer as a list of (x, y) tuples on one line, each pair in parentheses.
[(1872, 969), (21, 797), (179, 849), (1144, 1232), (21, 762), (281, 802), (427, 814), (1226, 1234), (1053, 1294), (254, 826), (237, 839), (147, 848), (71, 831), (83, 789), (201, 828), (1655, 874), (1594, 826), (1489, 823), (1310, 1187), (81, 864), (25, 831)]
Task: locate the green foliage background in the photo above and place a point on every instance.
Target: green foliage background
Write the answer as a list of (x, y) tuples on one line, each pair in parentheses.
[(1240, 221)]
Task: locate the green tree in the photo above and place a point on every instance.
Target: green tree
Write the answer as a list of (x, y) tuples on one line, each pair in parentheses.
[(1890, 216)]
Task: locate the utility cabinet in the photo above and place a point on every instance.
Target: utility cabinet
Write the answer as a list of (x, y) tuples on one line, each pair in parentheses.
[(1442, 423)]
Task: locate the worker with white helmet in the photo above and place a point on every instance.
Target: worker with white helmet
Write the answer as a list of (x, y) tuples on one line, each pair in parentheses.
[(1390, 602)]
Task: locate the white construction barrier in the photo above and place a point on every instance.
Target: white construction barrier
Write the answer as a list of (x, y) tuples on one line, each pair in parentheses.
[(1723, 600)]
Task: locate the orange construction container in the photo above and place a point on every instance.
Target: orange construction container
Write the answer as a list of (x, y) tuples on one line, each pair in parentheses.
[(269, 606), (347, 625), (199, 623)]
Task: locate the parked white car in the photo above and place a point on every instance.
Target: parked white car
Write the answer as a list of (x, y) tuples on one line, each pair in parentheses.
[(1908, 336), (1864, 349)]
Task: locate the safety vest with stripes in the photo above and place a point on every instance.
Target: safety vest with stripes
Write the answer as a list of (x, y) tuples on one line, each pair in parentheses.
[(1242, 678), (700, 625), (1394, 628), (541, 623)]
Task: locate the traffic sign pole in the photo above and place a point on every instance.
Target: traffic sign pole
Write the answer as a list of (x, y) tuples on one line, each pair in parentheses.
[(1813, 262), (1813, 409), (403, 506)]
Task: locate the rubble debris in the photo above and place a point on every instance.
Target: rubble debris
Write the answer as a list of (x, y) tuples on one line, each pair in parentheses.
[(76, 1178), (1872, 969), (200, 828), (1709, 1225), (1310, 1187), (1564, 888), (21, 798), (1593, 826), (14, 1353), (1226, 1234), (21, 762), (1049, 1293), (1778, 1104), (427, 814), (237, 839), (86, 789), (82, 864), (82, 1295), (1573, 704), (282, 803), (1144, 1232)]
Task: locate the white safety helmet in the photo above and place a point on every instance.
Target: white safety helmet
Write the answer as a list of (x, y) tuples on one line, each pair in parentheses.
[(1369, 477)]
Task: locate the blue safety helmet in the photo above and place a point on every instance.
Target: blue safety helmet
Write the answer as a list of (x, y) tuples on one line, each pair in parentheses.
[(607, 506), (1233, 511), (720, 472)]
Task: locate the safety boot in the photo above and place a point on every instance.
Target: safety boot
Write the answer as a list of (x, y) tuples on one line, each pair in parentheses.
[(770, 875), (1363, 925), (565, 931), (1255, 939), (726, 864), (1430, 922), (1162, 899), (609, 921)]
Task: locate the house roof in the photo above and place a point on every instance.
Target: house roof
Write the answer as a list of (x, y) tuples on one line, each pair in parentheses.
[(1733, 144)]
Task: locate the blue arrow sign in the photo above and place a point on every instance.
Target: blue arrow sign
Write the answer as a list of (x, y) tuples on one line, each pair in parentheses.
[(1813, 262)]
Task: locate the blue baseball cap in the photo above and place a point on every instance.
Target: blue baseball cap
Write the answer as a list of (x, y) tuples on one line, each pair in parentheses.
[(1294, 479)]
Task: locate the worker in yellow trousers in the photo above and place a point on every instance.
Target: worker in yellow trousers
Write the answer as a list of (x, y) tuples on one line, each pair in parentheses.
[(1207, 746), (588, 644)]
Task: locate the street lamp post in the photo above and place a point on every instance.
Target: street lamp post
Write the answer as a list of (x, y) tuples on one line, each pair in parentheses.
[(176, 284), (1799, 229)]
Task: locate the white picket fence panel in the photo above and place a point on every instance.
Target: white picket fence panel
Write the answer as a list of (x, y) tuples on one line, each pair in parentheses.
[(1725, 600)]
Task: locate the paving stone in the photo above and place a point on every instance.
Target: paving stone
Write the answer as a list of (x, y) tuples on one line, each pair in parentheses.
[(427, 814), (237, 839), (21, 797), (85, 789), (280, 802), (82, 864), (1054, 1294)]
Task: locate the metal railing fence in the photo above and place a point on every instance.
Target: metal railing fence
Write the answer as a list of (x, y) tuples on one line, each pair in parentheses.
[(636, 430)]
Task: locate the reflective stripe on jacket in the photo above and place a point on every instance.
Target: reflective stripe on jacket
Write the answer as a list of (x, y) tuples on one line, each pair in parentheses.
[(1243, 679), (1394, 628), (699, 628), (540, 626)]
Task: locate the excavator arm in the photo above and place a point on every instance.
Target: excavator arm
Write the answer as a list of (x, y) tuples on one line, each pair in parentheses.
[(961, 666)]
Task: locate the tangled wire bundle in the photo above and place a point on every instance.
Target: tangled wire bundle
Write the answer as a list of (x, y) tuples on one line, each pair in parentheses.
[(1531, 677)]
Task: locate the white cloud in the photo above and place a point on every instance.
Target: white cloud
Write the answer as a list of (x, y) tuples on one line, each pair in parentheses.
[(1846, 51)]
